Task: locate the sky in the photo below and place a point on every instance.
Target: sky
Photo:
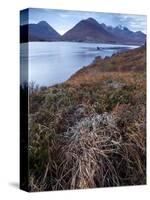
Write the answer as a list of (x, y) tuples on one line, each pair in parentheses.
[(63, 20)]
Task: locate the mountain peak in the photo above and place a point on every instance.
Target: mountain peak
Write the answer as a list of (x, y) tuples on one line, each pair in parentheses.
[(120, 27), (41, 31), (43, 23), (139, 32), (91, 20)]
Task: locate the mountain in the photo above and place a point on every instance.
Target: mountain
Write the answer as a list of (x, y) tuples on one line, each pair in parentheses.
[(125, 35), (88, 30), (91, 31), (41, 31)]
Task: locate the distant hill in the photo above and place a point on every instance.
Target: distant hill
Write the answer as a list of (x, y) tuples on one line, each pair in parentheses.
[(41, 31), (90, 30)]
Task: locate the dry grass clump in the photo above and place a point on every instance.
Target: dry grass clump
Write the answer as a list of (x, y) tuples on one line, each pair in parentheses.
[(90, 142), (97, 153)]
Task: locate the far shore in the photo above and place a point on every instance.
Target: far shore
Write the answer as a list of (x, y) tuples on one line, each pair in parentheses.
[(93, 42)]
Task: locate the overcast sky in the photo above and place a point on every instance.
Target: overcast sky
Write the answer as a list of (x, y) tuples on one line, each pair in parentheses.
[(63, 20)]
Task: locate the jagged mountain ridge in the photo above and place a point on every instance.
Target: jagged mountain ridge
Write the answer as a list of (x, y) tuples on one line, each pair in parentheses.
[(91, 31), (88, 30)]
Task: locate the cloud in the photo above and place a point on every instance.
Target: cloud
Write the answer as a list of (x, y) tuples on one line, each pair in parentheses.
[(134, 22)]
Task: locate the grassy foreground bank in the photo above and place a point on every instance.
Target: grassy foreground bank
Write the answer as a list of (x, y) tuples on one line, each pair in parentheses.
[(91, 130)]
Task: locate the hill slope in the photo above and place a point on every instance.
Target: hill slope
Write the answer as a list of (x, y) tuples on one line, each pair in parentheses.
[(41, 31), (90, 30), (129, 61), (125, 35)]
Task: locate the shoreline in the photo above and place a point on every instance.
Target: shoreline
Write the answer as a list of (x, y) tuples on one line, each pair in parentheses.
[(96, 42), (96, 59), (117, 48)]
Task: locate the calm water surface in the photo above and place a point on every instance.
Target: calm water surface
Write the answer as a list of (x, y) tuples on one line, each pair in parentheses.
[(54, 62)]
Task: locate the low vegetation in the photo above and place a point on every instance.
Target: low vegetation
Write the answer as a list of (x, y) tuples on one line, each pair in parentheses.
[(91, 130)]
